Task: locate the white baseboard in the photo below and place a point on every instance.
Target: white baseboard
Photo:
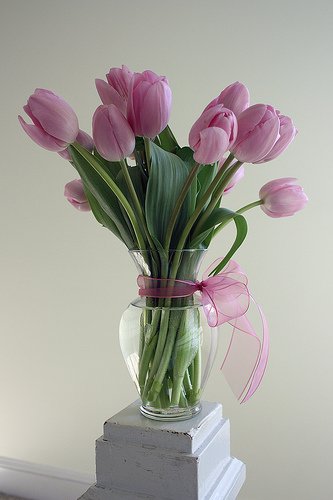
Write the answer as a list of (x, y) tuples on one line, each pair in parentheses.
[(41, 482)]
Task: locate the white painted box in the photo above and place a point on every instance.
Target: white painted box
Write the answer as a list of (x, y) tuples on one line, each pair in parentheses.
[(139, 458)]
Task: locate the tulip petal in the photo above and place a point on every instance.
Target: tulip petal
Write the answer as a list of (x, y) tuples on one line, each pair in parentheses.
[(81, 207), (113, 136), (156, 104), (259, 142), (249, 119), (74, 189), (276, 184), (287, 135), (282, 197), (76, 196), (41, 138), (235, 97), (109, 95), (285, 203), (65, 154), (85, 140), (215, 116), (234, 180), (82, 138), (103, 138), (149, 103), (119, 79), (54, 114), (214, 142)]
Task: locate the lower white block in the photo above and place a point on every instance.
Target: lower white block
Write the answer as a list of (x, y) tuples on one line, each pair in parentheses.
[(226, 487), (138, 458)]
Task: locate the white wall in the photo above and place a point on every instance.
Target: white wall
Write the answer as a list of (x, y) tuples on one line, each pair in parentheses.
[(61, 371)]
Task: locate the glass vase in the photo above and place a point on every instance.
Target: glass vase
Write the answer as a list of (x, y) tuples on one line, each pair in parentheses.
[(167, 345)]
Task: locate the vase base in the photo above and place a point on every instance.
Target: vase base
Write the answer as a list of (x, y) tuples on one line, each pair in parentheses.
[(170, 414)]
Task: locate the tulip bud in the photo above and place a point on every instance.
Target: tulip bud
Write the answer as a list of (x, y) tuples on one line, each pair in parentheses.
[(235, 97), (75, 194), (238, 175), (113, 137), (149, 104), (213, 134), (115, 90), (55, 124), (287, 133), (282, 197), (258, 131), (82, 138), (212, 144)]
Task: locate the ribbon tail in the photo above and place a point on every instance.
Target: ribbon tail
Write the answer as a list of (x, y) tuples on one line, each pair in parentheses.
[(246, 358)]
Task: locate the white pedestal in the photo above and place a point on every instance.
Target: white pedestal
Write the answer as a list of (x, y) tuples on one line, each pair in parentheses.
[(138, 458)]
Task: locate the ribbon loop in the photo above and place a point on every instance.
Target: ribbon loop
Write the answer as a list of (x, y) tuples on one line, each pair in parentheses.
[(226, 299)]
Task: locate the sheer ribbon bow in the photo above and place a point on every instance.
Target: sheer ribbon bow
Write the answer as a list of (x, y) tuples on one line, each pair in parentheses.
[(226, 299)]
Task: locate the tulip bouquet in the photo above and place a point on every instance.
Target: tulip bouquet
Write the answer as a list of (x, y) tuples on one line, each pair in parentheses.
[(165, 202)]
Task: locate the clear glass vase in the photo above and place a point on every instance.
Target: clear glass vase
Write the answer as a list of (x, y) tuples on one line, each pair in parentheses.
[(167, 345)]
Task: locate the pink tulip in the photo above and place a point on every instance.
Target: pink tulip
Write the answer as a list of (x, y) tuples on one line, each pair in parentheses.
[(149, 104), (287, 133), (213, 134), (82, 138), (113, 137), (75, 194), (235, 97), (238, 176), (55, 124), (115, 90), (258, 131), (282, 197), (212, 144)]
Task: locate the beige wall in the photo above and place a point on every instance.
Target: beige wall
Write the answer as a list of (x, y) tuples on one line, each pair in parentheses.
[(61, 371)]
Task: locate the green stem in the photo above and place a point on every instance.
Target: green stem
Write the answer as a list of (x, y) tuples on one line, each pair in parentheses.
[(144, 365), (170, 326), (176, 390), (142, 332), (187, 383), (195, 215), (115, 188), (164, 394), (249, 206), (196, 380), (148, 349), (147, 149), (179, 203), (216, 195), (240, 211), (161, 340), (162, 358), (136, 202)]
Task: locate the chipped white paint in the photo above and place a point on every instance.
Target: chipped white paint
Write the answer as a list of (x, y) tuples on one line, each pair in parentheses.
[(137, 458)]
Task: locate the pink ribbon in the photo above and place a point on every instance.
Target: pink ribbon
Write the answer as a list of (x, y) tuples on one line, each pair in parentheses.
[(225, 299)]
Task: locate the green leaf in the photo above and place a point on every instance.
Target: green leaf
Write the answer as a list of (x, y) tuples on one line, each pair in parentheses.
[(220, 217), (100, 215), (167, 141), (112, 167), (121, 182), (167, 176), (205, 176), (241, 227), (103, 188), (186, 154)]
